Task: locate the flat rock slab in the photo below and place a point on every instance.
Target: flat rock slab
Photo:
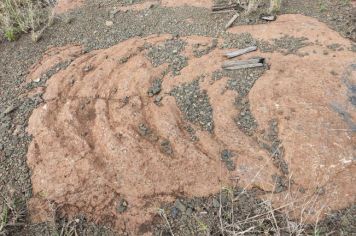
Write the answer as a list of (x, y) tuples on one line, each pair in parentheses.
[(87, 152), (312, 97)]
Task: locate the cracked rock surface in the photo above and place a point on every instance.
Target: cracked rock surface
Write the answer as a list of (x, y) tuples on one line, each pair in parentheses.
[(101, 146)]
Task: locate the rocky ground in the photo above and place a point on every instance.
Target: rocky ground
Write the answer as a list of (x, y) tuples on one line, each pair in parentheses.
[(88, 26)]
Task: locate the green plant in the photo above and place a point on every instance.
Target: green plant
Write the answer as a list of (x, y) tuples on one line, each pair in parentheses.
[(12, 213), (23, 16), (4, 218), (10, 34), (322, 7), (346, 2), (202, 227)]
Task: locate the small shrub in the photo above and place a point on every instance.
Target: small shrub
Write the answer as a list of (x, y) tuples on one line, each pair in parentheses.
[(10, 34), (322, 7), (12, 213), (23, 16)]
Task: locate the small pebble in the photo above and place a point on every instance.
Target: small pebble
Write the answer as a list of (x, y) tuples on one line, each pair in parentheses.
[(180, 206), (109, 23), (37, 80), (158, 98), (174, 212), (216, 203)]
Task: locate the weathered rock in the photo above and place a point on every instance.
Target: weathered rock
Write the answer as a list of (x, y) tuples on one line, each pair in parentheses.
[(312, 106), (87, 149), (180, 206), (106, 144), (216, 203)]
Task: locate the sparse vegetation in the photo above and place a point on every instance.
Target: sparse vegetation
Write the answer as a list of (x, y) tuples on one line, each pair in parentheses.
[(242, 212), (346, 2), (12, 213), (24, 16), (322, 7)]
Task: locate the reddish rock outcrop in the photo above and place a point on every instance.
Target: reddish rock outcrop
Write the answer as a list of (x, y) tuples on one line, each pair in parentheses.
[(100, 138)]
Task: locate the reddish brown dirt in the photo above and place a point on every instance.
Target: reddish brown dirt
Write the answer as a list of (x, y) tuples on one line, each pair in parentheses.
[(66, 5), (169, 3), (87, 152), (95, 155), (52, 57), (301, 92), (138, 6)]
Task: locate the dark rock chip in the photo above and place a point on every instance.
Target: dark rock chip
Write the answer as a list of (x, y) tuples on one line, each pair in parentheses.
[(158, 99), (335, 47), (180, 206), (175, 212), (166, 147), (10, 109), (155, 88), (192, 133), (281, 183), (216, 203), (286, 44), (88, 68), (199, 52), (226, 157), (122, 206), (146, 132), (239, 41), (320, 191)]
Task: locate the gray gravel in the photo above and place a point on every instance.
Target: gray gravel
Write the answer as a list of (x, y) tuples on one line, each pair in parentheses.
[(155, 87), (147, 133), (226, 157), (194, 104), (286, 45), (169, 53), (271, 142), (192, 133), (200, 50), (240, 41), (166, 147), (241, 81)]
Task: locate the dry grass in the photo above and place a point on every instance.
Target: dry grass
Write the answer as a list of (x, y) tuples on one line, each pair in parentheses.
[(24, 16), (12, 213), (268, 220)]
